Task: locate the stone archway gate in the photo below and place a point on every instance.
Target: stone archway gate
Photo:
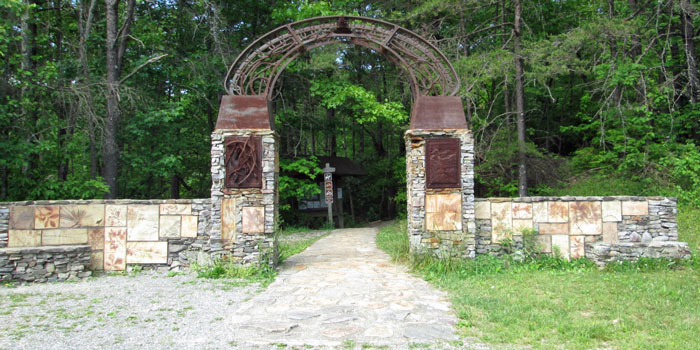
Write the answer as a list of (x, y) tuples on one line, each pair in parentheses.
[(245, 154)]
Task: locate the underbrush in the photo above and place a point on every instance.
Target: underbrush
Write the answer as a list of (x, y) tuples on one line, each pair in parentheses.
[(547, 302), (225, 268), (255, 273)]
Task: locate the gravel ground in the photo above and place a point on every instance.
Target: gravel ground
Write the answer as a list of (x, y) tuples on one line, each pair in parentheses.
[(148, 310), (342, 283)]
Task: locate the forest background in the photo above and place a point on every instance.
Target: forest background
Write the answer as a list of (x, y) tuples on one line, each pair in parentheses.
[(118, 99)]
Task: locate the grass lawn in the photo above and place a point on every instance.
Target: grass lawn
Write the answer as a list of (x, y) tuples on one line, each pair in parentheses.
[(293, 242), (568, 305)]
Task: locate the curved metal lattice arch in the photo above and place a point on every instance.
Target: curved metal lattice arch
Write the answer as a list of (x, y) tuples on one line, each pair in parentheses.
[(256, 70)]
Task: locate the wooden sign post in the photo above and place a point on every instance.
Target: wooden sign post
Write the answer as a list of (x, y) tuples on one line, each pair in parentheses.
[(328, 189)]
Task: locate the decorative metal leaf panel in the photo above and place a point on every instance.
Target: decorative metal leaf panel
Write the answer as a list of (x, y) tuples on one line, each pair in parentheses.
[(442, 163), (243, 161), (257, 68)]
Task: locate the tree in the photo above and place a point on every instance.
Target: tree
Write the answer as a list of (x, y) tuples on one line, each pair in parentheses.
[(116, 47), (520, 101)]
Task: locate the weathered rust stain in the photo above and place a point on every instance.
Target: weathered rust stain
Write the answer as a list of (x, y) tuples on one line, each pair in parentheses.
[(438, 112), (244, 112)]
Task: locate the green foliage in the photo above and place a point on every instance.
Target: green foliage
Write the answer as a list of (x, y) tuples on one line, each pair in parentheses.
[(297, 181), (359, 101), (683, 166)]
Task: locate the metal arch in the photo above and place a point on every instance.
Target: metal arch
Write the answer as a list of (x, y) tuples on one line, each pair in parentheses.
[(256, 70)]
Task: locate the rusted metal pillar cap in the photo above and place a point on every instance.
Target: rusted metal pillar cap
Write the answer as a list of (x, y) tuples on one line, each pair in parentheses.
[(438, 112), (244, 112)]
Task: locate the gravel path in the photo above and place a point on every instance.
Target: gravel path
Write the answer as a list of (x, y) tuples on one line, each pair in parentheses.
[(342, 293)]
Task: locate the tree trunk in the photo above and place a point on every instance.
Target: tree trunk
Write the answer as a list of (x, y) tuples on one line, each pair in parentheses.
[(520, 103), (174, 187), (85, 18), (28, 50), (110, 157), (116, 47), (691, 55), (506, 92), (332, 143), (3, 178)]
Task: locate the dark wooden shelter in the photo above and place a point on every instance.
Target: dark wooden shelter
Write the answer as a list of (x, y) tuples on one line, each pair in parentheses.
[(316, 205)]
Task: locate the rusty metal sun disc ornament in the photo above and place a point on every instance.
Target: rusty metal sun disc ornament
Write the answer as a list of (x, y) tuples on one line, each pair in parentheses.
[(243, 162), (442, 163)]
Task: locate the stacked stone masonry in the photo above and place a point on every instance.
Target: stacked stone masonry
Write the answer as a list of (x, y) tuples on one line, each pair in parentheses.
[(45, 264), (244, 220), (604, 229), (440, 220), (157, 233)]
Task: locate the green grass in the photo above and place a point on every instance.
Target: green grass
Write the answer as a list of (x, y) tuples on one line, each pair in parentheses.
[(552, 303), (224, 268), (287, 249)]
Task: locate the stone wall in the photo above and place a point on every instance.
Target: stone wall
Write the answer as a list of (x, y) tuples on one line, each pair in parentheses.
[(4, 224), (244, 220), (603, 229), (440, 220), (119, 232), (45, 264)]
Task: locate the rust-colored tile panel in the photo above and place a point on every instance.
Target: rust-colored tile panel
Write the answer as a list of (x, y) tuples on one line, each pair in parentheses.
[(228, 220), (539, 211), (553, 229), (175, 209), (612, 211), (610, 232), (558, 212), (253, 219), (22, 218), (482, 210), (24, 238), (142, 222), (501, 221), (635, 208), (96, 238), (82, 215), (64, 236), (115, 249), (115, 215), (147, 252), (586, 218), (46, 217), (189, 226), (522, 210), (577, 247), (169, 227)]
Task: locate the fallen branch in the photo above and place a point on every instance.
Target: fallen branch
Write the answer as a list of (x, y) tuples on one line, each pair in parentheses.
[(151, 60)]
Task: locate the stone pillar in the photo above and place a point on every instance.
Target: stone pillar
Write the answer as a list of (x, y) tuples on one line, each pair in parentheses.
[(440, 214), (244, 212)]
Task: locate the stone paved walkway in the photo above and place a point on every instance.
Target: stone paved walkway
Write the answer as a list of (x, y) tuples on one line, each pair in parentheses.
[(343, 290)]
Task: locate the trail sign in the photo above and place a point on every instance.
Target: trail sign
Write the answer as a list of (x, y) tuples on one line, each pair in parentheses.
[(328, 189)]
